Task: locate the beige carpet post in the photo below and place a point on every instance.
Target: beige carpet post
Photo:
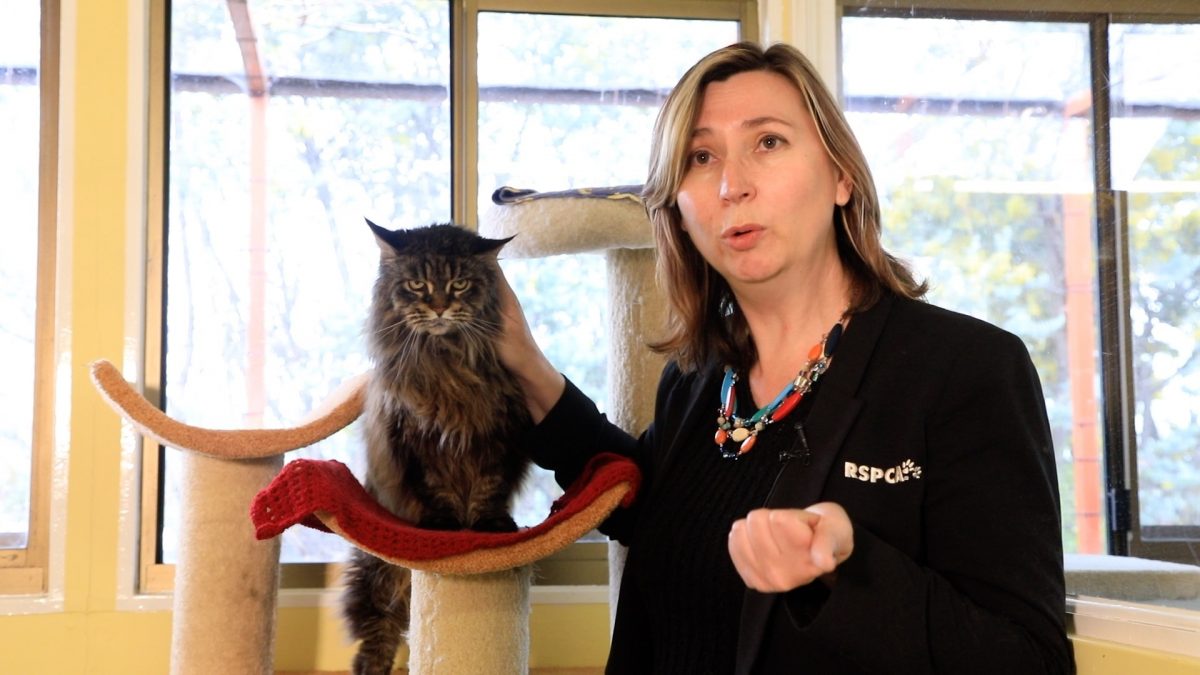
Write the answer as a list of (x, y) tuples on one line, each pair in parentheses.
[(470, 625), (226, 581), (637, 314)]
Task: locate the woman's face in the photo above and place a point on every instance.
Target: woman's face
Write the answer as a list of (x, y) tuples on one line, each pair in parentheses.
[(759, 193)]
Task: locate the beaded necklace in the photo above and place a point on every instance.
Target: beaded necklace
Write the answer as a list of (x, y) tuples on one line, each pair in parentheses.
[(745, 430)]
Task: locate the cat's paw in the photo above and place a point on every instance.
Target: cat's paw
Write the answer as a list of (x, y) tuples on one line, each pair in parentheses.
[(440, 521), (498, 523)]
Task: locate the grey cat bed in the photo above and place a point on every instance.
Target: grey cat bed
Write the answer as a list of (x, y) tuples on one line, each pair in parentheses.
[(1135, 579)]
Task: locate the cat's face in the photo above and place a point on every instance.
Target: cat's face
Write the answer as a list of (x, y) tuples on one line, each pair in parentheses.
[(435, 281)]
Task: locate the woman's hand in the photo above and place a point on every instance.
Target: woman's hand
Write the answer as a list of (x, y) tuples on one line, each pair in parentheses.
[(777, 550), (519, 352)]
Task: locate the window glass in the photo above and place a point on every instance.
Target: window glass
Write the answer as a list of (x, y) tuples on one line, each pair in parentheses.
[(565, 103), (1156, 160), (19, 133), (269, 263), (979, 134)]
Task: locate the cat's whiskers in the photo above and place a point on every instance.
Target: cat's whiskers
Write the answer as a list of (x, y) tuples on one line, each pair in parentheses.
[(395, 325)]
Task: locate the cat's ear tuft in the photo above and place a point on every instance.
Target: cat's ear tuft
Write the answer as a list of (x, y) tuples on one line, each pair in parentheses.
[(389, 242), (483, 245)]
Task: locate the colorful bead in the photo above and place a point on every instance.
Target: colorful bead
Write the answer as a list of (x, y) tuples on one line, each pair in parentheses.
[(815, 352), (747, 445), (721, 437), (739, 434), (831, 340), (788, 404)]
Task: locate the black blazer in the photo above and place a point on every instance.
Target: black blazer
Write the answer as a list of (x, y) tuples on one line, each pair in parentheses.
[(930, 430)]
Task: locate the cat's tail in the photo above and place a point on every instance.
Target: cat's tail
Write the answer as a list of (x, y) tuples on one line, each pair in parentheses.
[(375, 605), (341, 408)]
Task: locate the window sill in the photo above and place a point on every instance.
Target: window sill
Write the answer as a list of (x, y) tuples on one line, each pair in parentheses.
[(1136, 602), (1165, 629), (331, 597), (538, 595)]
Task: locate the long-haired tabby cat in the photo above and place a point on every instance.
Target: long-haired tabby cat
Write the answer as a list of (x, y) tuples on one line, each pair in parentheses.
[(441, 413)]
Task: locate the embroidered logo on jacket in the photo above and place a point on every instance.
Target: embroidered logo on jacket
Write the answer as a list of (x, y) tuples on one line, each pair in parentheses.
[(907, 470)]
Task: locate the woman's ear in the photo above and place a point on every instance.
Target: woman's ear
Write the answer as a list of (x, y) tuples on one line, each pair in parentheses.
[(845, 188)]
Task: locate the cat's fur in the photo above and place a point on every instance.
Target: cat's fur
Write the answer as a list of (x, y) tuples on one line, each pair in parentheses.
[(441, 413)]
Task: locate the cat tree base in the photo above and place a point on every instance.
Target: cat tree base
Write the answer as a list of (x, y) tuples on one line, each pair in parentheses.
[(225, 579), (470, 624)]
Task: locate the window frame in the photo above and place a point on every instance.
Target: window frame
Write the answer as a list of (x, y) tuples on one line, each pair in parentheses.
[(584, 563), (25, 570), (1115, 333)]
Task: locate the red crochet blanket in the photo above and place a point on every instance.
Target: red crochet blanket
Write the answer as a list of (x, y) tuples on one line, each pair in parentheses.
[(325, 495)]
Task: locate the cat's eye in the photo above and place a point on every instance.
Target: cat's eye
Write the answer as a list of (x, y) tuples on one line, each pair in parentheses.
[(460, 285), (414, 285)]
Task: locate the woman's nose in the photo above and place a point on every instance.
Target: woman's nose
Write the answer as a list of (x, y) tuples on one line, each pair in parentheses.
[(737, 183)]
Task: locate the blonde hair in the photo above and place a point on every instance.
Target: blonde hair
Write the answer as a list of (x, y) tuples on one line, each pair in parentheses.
[(704, 322)]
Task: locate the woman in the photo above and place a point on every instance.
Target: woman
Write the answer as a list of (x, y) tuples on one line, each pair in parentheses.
[(839, 478)]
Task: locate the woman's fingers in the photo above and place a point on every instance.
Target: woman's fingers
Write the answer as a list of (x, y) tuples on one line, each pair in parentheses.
[(519, 352), (769, 548), (777, 550), (742, 556), (833, 539)]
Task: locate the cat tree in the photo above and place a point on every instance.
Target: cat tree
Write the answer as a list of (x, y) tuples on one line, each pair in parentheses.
[(611, 220), (227, 578)]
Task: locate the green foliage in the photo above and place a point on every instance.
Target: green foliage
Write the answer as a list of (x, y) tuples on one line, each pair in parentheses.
[(1000, 257)]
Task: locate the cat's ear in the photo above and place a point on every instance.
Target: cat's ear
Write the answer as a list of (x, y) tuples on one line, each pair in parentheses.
[(482, 245), (389, 242)]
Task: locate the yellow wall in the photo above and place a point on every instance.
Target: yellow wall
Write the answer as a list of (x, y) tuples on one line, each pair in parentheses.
[(91, 635)]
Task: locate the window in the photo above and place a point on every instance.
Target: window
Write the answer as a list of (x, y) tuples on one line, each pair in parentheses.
[(993, 138), (984, 174), (1156, 163), (549, 114), (289, 123), (28, 80)]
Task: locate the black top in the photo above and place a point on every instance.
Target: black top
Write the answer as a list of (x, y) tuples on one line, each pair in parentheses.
[(692, 596), (930, 430)]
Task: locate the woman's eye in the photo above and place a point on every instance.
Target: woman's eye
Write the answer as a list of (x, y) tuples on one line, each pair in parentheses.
[(414, 285), (700, 158), (460, 285), (771, 142)]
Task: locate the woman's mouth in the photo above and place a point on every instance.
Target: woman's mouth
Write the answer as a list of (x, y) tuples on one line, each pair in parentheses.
[(742, 237)]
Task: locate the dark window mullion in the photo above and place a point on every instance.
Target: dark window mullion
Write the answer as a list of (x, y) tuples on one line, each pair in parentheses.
[(1120, 446)]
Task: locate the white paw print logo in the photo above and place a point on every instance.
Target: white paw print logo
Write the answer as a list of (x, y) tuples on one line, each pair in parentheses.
[(910, 469)]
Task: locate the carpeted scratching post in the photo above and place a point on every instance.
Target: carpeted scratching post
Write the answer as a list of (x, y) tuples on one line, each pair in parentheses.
[(470, 623), (226, 580), (612, 220)]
